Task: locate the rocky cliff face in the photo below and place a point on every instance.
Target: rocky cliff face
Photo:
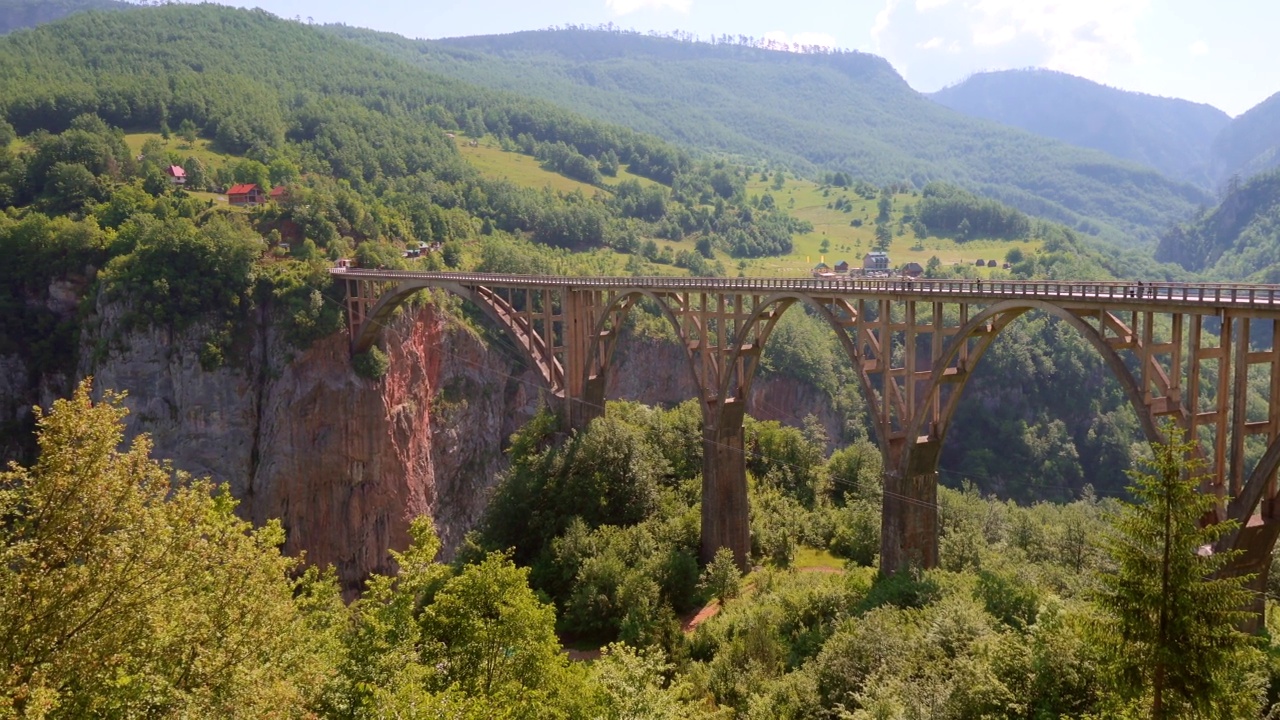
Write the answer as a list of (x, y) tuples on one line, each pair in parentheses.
[(345, 463)]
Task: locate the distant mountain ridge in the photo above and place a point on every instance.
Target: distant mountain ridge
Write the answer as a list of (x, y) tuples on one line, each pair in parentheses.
[(845, 111), (1171, 135), (1239, 239), (1251, 143), (19, 14)]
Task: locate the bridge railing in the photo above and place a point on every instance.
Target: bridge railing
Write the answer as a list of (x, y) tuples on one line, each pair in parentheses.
[(1191, 293)]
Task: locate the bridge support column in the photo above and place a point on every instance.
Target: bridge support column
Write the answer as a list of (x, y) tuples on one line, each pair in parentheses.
[(726, 521), (582, 410), (1255, 542), (909, 523)]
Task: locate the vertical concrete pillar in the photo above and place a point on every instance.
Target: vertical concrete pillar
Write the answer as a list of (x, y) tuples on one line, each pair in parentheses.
[(582, 410), (726, 520), (1256, 542), (909, 521)]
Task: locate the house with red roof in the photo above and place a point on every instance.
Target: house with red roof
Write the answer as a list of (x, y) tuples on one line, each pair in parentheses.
[(245, 195), (176, 174), (279, 193)]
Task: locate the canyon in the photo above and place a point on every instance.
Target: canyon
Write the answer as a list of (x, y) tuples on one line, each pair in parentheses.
[(345, 463)]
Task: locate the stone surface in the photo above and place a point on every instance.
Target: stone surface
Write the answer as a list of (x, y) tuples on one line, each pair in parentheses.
[(345, 463)]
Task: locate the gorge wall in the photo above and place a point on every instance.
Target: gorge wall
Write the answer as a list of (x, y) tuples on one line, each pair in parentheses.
[(344, 462)]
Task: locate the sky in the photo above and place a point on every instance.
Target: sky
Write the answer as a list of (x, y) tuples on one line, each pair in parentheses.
[(1220, 53)]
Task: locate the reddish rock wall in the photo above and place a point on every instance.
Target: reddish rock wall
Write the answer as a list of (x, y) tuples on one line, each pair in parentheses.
[(345, 463)]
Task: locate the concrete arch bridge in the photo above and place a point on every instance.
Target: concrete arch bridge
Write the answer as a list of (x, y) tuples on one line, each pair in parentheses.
[(1180, 351)]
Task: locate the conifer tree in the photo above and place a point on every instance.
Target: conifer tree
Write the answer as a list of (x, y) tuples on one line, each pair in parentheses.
[(1172, 618)]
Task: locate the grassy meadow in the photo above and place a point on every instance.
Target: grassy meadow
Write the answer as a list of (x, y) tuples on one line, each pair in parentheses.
[(809, 201), (200, 149)]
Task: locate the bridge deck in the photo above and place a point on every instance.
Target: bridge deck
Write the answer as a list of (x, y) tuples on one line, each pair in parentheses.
[(1198, 296)]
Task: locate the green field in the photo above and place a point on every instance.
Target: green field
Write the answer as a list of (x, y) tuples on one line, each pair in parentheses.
[(215, 197), (199, 149), (806, 200), (494, 162)]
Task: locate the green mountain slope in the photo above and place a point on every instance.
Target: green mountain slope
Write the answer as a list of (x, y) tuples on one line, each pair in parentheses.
[(1239, 239), (18, 14), (1170, 135), (250, 81), (1251, 143), (847, 111)]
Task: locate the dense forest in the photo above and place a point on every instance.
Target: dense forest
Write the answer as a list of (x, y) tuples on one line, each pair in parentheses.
[(1037, 611), (755, 102), (1235, 240)]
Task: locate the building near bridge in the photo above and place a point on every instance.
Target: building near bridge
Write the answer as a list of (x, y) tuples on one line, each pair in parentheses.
[(876, 261), (246, 195)]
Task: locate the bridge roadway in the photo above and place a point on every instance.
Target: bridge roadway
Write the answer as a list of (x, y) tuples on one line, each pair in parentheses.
[(1181, 352), (1168, 296)]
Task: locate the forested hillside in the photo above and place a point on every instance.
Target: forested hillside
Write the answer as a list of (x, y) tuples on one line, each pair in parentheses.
[(1251, 143), (361, 143), (1239, 239), (847, 112), (18, 14), (1173, 136)]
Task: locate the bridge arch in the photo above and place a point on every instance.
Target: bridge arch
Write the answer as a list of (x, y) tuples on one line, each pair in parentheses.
[(604, 342), (532, 345), (754, 335), (988, 324)]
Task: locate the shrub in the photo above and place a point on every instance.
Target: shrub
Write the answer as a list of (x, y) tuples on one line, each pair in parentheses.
[(371, 364)]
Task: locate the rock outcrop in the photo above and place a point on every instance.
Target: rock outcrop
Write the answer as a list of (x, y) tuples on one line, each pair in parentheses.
[(345, 463)]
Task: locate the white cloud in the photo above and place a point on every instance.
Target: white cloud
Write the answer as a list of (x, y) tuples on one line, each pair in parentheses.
[(1199, 48), (992, 36), (883, 18), (801, 39), (626, 7), (1082, 37)]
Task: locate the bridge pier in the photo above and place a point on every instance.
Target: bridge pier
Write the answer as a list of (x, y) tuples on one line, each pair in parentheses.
[(726, 520), (909, 522), (580, 411), (1256, 540)]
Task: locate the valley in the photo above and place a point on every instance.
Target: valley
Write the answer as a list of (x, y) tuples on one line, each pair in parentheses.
[(965, 488)]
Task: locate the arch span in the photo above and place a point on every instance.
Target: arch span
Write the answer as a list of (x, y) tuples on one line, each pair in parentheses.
[(525, 337), (752, 337), (987, 326), (604, 342)]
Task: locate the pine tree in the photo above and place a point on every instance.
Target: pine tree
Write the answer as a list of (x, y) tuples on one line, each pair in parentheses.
[(1172, 620)]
